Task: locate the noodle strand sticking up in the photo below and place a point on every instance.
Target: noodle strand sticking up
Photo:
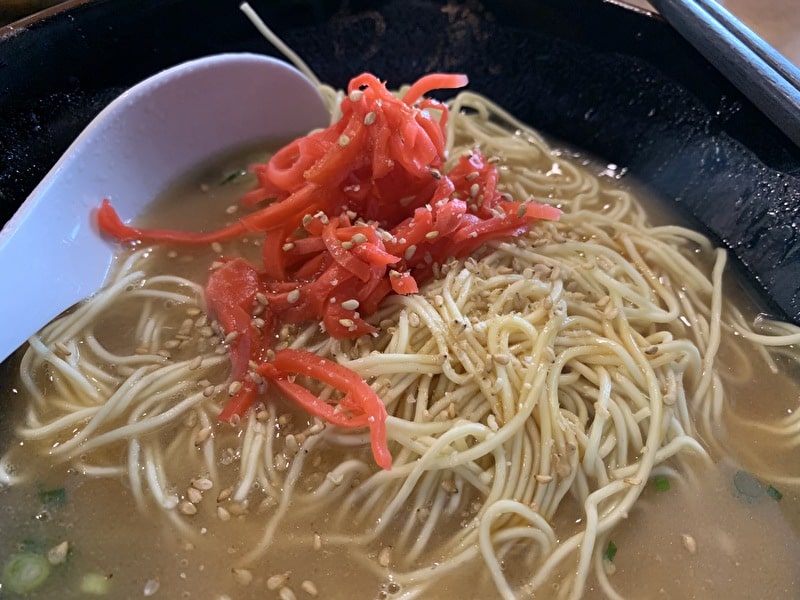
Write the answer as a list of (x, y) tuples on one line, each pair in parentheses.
[(532, 389)]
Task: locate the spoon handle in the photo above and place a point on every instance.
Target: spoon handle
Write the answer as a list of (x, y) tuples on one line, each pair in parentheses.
[(762, 74)]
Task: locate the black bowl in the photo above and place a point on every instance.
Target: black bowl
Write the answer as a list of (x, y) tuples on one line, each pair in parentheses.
[(609, 79)]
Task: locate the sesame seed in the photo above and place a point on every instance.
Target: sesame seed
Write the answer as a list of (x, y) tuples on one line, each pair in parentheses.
[(351, 304), (216, 247), (187, 508), (225, 494), (223, 514), (293, 296), (58, 554), (194, 495), (208, 391), (501, 359), (234, 388), (543, 478), (449, 486), (202, 483), (317, 543), (346, 322), (242, 576), (231, 209), (335, 478), (309, 588), (689, 543), (355, 95), (286, 594), (471, 176), (474, 189), (344, 140), (369, 118), (651, 350), (385, 556), (358, 238), (409, 253), (288, 246), (203, 434), (436, 173), (432, 235), (277, 580)]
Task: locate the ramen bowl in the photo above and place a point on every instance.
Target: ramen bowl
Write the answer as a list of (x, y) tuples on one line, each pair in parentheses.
[(610, 86)]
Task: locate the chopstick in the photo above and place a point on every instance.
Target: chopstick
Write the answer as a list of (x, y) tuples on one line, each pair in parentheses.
[(759, 71)]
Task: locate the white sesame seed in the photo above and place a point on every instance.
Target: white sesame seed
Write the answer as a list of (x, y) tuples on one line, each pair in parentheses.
[(432, 235), (234, 388), (276, 581), (216, 247), (355, 95), (335, 478), (58, 554), (288, 246), (689, 543), (385, 556), (358, 238), (187, 508), (231, 209), (344, 140), (202, 483), (194, 495), (346, 322), (242, 576), (203, 434), (286, 593), (369, 118), (293, 296), (351, 304), (223, 514), (409, 253), (309, 588)]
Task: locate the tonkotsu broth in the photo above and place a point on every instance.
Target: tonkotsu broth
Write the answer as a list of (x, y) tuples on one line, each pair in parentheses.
[(700, 538)]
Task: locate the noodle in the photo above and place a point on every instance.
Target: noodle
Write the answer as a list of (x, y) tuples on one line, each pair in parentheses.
[(551, 374)]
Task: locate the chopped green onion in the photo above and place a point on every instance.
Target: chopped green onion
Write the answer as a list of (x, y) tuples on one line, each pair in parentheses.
[(774, 492), (56, 497), (96, 584), (611, 551), (233, 177), (24, 573), (661, 483)]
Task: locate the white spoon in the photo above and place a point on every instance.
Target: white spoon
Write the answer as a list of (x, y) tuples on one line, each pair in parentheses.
[(51, 255)]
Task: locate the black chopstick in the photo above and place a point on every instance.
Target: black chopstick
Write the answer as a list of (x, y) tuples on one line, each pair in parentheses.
[(760, 72)]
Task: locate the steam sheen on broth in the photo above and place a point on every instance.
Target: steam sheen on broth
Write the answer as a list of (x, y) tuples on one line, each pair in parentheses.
[(581, 411)]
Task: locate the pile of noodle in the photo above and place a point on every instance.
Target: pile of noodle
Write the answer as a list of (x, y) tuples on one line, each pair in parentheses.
[(558, 371)]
